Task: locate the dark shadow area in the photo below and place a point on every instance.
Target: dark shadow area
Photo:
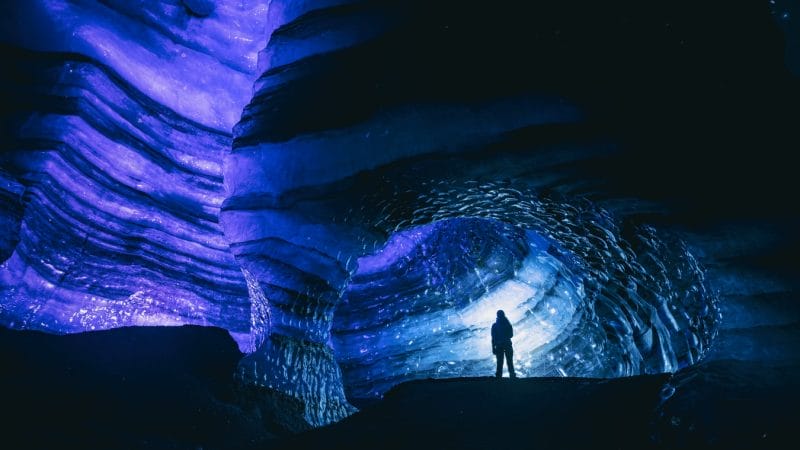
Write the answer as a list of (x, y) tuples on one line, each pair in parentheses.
[(719, 405), (172, 388), (128, 388), (484, 413)]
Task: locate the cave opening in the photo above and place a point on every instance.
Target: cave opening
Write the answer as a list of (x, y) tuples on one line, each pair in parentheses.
[(422, 306), (584, 301)]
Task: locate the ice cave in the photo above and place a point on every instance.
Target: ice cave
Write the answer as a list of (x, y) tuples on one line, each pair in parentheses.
[(289, 223)]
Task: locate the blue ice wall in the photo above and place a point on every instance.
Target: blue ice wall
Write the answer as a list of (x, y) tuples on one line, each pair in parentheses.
[(363, 172), (353, 188), (581, 299), (112, 162)]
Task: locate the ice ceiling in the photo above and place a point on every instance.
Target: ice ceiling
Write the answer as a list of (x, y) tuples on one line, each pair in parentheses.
[(352, 189)]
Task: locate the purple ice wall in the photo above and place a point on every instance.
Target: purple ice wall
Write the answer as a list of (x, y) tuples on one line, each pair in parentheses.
[(352, 188), (114, 162)]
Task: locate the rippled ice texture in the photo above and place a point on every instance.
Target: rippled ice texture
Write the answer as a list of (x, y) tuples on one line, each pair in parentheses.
[(587, 296)]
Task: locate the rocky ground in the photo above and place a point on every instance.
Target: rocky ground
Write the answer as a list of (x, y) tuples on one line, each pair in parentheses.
[(172, 388)]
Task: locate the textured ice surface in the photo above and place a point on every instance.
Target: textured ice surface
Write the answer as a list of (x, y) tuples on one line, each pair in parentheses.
[(584, 299), (350, 188), (112, 169)]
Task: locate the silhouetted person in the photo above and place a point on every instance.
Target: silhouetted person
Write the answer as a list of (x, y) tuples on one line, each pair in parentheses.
[(501, 344)]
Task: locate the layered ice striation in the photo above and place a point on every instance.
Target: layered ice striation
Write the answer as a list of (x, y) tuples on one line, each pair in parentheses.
[(117, 115), (351, 188), (586, 297)]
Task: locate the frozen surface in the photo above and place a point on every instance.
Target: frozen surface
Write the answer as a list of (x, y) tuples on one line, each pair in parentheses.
[(352, 189)]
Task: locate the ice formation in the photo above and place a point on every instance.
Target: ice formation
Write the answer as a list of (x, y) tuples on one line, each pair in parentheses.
[(351, 189)]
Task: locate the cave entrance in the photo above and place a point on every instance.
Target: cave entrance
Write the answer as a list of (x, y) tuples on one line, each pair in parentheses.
[(422, 306)]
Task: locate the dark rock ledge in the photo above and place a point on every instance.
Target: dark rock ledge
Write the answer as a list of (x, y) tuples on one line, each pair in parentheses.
[(173, 388)]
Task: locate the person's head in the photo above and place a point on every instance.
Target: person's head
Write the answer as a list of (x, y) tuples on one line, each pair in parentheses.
[(500, 314)]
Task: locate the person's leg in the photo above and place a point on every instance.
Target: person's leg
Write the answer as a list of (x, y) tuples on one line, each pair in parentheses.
[(510, 361), (499, 355)]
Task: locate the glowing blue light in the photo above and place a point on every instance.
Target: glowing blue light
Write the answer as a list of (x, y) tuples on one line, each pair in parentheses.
[(541, 299)]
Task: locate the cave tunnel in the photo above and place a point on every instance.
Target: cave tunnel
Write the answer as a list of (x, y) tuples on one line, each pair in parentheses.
[(351, 189)]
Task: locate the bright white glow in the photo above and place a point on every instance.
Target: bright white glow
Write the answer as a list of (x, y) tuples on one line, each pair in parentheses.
[(539, 302), (510, 296)]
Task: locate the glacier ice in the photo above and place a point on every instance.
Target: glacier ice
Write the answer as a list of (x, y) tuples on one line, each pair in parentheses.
[(350, 202)]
